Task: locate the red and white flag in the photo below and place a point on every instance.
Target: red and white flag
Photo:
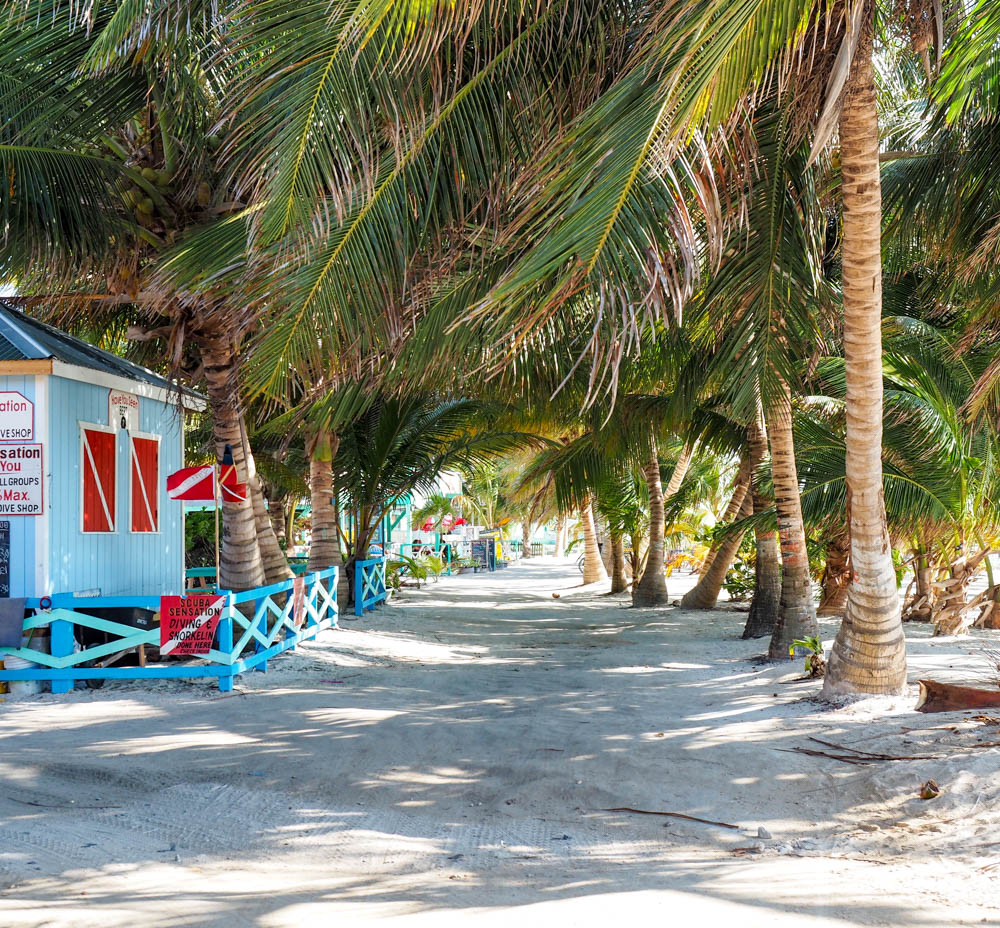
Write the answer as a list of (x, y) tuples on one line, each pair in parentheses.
[(194, 484), (233, 492)]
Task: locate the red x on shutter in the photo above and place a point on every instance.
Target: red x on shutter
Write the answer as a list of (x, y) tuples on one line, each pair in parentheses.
[(99, 480), (145, 483)]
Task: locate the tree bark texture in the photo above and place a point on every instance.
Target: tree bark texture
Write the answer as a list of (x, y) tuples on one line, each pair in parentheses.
[(836, 576), (240, 564), (277, 512), (705, 593), (593, 566), (797, 612), (526, 537), (560, 535), (324, 549), (767, 568), (272, 557), (869, 654), (619, 582), (651, 590)]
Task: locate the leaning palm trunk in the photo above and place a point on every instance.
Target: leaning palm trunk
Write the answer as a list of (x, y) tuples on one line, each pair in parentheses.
[(240, 565), (560, 535), (619, 582), (277, 512), (324, 549), (272, 557), (651, 590), (869, 654), (705, 593), (732, 510), (766, 599), (526, 537), (593, 566), (797, 613)]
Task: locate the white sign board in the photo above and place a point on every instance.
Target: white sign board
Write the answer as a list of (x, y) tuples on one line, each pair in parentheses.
[(17, 417), (21, 480), (123, 410)]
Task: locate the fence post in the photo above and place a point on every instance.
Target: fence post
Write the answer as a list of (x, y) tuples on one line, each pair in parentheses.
[(359, 588), (226, 644), (61, 645)]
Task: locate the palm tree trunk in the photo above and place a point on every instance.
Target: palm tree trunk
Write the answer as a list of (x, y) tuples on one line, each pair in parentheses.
[(525, 537), (705, 593), (730, 513), (619, 582), (560, 535), (869, 654), (836, 576), (593, 566), (766, 600), (272, 557), (324, 548), (797, 613), (277, 512), (240, 564), (651, 590)]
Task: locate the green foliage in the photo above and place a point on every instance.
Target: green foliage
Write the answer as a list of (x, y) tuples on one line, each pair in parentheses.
[(739, 582), (433, 564), (814, 660), (199, 539)]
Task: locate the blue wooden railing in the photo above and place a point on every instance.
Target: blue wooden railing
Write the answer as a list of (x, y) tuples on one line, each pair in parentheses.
[(270, 629), (369, 584)]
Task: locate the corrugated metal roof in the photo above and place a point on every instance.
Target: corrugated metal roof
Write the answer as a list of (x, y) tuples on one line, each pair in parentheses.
[(23, 338)]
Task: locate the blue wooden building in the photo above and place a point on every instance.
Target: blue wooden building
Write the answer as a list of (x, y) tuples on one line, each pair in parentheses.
[(86, 442)]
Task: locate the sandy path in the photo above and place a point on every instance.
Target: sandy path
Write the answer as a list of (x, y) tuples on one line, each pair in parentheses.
[(450, 756)]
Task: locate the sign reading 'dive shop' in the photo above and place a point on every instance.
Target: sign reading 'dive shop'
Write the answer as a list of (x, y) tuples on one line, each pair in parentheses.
[(187, 623), (21, 480), (17, 417)]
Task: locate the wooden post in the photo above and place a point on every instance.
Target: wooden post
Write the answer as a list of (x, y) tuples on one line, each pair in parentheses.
[(226, 643), (215, 484), (61, 645)]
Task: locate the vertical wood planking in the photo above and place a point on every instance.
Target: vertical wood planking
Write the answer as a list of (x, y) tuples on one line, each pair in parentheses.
[(123, 562)]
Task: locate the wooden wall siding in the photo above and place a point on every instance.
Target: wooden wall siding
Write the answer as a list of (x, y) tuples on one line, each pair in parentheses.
[(22, 528), (124, 562)]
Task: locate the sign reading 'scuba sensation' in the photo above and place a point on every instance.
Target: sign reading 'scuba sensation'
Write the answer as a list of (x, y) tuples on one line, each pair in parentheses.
[(188, 623)]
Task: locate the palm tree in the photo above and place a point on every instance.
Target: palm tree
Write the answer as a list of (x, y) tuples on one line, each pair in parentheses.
[(691, 67), (396, 446)]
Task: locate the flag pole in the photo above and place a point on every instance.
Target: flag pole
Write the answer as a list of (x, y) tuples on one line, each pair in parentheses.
[(215, 491)]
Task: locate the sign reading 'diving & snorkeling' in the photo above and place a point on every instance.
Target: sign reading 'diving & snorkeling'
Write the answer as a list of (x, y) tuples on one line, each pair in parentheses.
[(17, 417), (21, 480), (187, 623)]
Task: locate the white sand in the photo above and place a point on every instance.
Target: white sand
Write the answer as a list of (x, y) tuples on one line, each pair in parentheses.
[(449, 757)]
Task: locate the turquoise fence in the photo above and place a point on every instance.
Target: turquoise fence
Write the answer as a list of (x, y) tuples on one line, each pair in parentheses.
[(280, 618), (369, 584)]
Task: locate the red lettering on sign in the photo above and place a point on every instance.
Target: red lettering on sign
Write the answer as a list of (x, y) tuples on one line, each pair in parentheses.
[(188, 623)]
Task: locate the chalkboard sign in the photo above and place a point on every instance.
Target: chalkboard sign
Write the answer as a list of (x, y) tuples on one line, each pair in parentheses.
[(481, 552), (5, 558)]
